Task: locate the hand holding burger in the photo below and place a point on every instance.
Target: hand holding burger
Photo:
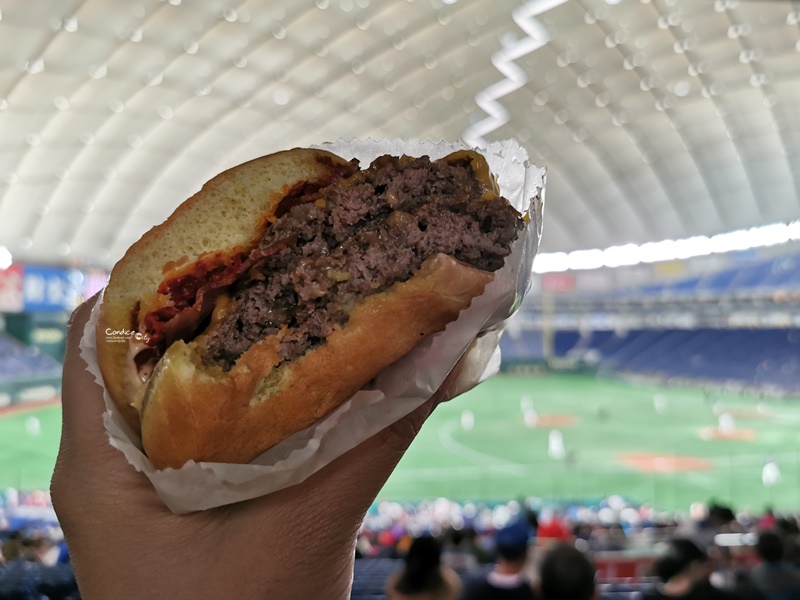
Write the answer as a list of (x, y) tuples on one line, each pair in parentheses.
[(125, 543), (267, 299)]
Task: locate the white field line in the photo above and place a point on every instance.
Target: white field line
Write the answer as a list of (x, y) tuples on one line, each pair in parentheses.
[(487, 461), (486, 465)]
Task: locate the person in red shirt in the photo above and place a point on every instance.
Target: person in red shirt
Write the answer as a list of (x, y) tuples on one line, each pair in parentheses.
[(551, 527)]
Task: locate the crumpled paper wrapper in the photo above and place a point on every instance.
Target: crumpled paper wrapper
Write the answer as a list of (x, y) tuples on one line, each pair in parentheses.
[(397, 391)]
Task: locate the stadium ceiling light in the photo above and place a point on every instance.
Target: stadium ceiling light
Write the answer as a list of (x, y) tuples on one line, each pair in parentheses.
[(632, 254), (730, 242), (618, 256), (657, 251), (554, 262), (769, 235), (693, 246), (5, 258), (585, 259)]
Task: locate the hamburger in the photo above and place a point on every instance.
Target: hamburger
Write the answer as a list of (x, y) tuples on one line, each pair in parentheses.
[(284, 286)]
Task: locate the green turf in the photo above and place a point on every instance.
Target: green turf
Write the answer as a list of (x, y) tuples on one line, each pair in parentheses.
[(26, 459), (501, 457)]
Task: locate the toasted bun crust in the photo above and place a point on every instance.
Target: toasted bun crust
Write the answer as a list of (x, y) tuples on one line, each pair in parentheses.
[(222, 216), (198, 412), (191, 413)]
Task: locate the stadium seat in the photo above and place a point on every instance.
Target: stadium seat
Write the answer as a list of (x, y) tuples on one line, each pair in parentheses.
[(747, 357), (370, 575), (685, 287), (20, 361), (524, 345), (768, 275), (564, 341)]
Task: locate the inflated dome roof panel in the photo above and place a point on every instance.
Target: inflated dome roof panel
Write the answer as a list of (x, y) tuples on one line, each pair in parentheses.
[(656, 119)]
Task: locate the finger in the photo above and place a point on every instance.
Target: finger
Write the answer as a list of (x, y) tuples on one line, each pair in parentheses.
[(81, 397), (88, 465), (84, 440)]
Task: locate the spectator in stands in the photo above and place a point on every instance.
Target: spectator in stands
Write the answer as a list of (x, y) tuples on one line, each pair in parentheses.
[(684, 570), (424, 577), (457, 553), (728, 576), (615, 540), (768, 521), (506, 581), (17, 547), (44, 551), (117, 528), (551, 527), (773, 577), (787, 528), (532, 517), (721, 519), (11, 547), (724, 575), (567, 574), (364, 545)]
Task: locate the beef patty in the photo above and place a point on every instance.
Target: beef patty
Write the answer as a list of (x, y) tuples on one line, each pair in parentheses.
[(357, 237)]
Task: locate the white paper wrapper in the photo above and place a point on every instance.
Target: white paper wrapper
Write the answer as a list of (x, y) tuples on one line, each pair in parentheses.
[(397, 391)]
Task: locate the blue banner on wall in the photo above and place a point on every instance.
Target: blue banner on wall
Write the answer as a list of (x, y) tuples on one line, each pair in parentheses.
[(49, 289)]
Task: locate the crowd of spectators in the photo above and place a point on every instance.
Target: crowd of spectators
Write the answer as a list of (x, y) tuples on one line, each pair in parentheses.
[(34, 563), (708, 552), (29, 529), (607, 525), (524, 549)]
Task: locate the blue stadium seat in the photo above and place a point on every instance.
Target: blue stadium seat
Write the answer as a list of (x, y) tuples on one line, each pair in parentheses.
[(784, 273), (20, 361), (773, 274), (564, 341), (752, 277), (685, 287), (370, 575), (717, 283), (750, 357)]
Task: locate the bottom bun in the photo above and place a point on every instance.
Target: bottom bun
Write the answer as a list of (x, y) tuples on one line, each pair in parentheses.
[(193, 412)]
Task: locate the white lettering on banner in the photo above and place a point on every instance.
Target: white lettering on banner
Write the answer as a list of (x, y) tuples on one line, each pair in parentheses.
[(34, 288)]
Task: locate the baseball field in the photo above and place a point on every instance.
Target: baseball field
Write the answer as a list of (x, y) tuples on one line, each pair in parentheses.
[(558, 436), (665, 446)]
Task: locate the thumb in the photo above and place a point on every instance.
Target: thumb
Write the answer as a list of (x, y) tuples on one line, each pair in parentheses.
[(86, 461), (81, 398)]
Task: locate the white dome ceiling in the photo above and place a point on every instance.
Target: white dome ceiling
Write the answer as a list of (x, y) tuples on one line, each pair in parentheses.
[(656, 118)]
